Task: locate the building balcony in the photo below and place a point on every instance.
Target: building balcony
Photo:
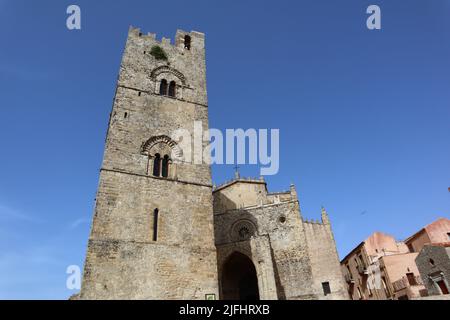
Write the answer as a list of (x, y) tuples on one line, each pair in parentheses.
[(406, 282), (362, 269), (349, 278)]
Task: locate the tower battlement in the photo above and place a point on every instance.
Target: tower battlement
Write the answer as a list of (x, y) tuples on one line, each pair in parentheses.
[(180, 37), (182, 62)]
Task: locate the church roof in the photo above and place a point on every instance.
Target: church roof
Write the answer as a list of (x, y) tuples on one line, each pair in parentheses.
[(239, 180)]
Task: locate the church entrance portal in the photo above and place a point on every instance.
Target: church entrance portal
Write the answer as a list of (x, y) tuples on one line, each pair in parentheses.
[(239, 280)]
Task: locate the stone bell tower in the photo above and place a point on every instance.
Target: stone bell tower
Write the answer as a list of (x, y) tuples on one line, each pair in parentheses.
[(152, 235)]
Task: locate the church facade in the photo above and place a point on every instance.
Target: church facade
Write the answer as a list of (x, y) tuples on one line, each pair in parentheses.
[(161, 230)]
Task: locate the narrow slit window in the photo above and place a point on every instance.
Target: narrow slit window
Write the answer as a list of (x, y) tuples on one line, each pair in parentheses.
[(326, 288), (187, 42), (163, 87), (165, 166), (172, 89), (157, 165), (155, 224), (125, 115)]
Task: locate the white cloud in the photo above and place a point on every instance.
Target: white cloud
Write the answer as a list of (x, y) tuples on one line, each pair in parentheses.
[(11, 213), (75, 224)]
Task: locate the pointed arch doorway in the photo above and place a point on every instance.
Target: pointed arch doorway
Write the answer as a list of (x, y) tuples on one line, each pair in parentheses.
[(239, 280)]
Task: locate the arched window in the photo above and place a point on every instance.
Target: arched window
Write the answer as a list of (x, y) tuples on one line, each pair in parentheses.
[(163, 87), (187, 42), (157, 165), (155, 224), (165, 166), (172, 89)]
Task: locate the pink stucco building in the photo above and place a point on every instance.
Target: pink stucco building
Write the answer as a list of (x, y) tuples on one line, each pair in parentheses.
[(382, 268), (436, 232)]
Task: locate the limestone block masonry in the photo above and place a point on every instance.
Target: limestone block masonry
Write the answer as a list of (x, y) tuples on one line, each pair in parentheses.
[(294, 258), (161, 231), (124, 260)]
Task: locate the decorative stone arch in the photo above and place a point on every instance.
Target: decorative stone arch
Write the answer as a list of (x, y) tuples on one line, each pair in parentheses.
[(245, 250), (166, 69), (159, 143), (169, 74), (258, 250), (162, 145), (239, 280)]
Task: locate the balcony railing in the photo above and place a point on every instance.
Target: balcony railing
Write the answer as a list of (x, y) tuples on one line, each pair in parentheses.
[(349, 278), (362, 269), (405, 283)]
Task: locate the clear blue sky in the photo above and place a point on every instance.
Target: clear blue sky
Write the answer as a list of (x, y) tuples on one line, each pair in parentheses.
[(364, 116)]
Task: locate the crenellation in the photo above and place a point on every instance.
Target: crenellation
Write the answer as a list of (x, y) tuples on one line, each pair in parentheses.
[(150, 38), (166, 41)]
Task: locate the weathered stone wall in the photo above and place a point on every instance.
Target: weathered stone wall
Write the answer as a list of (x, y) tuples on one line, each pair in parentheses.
[(138, 270), (236, 195), (288, 254), (138, 66), (324, 260), (279, 197), (439, 269), (140, 113), (258, 249), (125, 204), (301, 257), (123, 261), (247, 192)]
